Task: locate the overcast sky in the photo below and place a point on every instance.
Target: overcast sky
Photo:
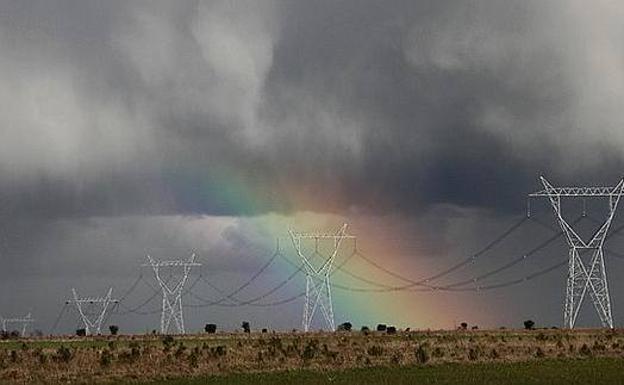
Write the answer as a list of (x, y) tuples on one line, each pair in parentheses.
[(134, 127)]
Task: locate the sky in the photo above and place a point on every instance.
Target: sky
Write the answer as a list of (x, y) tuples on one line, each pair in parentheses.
[(213, 127)]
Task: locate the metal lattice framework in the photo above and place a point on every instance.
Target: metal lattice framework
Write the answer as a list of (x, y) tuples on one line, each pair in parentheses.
[(589, 275), (172, 296), (92, 326), (318, 285), (23, 321)]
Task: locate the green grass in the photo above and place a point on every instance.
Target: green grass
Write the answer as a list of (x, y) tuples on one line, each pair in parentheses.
[(544, 372)]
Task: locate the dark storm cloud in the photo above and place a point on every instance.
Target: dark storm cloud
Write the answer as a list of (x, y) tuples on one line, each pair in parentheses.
[(113, 108)]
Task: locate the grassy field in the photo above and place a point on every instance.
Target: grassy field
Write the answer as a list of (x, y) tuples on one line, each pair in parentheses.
[(607, 371), (432, 354)]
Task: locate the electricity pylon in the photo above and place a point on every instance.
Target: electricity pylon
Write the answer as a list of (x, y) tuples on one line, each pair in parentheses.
[(92, 325), (589, 275), (24, 321), (318, 285), (172, 296)]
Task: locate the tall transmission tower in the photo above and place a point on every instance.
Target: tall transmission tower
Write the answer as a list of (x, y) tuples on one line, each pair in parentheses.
[(92, 325), (318, 285), (584, 274), (172, 295), (23, 321)]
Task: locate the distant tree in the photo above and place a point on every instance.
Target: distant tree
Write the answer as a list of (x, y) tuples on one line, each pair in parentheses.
[(475, 327), (265, 330), (210, 328), (529, 324), (391, 330), (381, 327), (114, 329), (15, 334), (81, 332), (246, 327), (345, 327), (365, 329), (463, 325)]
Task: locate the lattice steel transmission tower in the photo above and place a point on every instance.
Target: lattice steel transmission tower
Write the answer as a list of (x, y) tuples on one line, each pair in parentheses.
[(318, 285), (95, 324), (587, 275), (24, 321), (172, 296)]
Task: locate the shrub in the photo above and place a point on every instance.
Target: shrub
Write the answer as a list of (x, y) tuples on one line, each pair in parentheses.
[(180, 351), (265, 330), (41, 357), (422, 356), (365, 330), (246, 327), (81, 332), (218, 351), (529, 324), (463, 325), (585, 350), (438, 352), (391, 330), (381, 327), (114, 329), (539, 353), (473, 354), (375, 351), (168, 342), (63, 354), (194, 359), (345, 327), (210, 328), (106, 358), (310, 350)]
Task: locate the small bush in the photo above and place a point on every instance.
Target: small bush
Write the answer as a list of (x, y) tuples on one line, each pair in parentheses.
[(106, 358), (168, 341), (529, 324), (210, 328), (585, 350), (194, 359), (114, 329), (345, 327), (375, 351), (391, 330), (539, 353), (422, 356), (81, 332), (381, 327), (310, 350), (63, 354)]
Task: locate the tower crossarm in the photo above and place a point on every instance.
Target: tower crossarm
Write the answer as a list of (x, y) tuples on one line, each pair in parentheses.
[(587, 192), (92, 300), (24, 319), (172, 264)]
